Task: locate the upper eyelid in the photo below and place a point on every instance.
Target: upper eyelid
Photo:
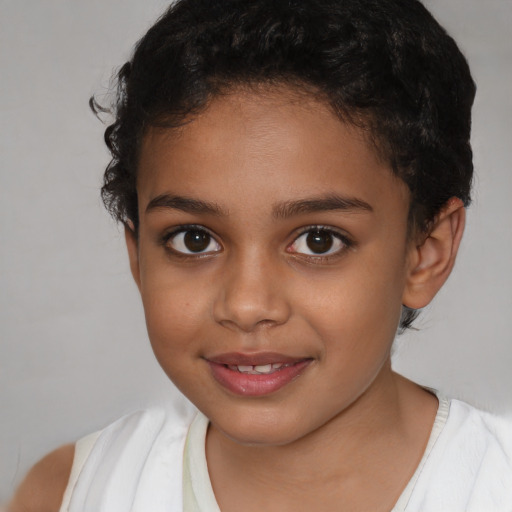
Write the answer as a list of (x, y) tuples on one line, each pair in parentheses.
[(321, 227), (187, 227), (296, 232), (169, 234)]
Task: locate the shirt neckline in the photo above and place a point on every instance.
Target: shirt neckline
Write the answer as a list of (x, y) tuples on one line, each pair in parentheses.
[(198, 493)]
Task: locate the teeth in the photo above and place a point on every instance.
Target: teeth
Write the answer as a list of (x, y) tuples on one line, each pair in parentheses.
[(264, 368), (258, 369), (243, 369)]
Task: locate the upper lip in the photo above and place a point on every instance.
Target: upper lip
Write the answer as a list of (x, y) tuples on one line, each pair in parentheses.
[(254, 359)]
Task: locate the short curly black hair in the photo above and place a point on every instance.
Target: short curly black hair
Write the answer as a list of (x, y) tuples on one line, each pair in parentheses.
[(384, 65)]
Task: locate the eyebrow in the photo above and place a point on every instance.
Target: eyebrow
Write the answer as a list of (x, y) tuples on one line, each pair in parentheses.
[(321, 204), (283, 210), (185, 204)]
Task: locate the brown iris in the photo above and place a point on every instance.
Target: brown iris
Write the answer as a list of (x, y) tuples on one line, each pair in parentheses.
[(319, 241), (196, 240)]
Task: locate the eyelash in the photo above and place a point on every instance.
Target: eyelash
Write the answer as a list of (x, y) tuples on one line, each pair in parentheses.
[(346, 242)]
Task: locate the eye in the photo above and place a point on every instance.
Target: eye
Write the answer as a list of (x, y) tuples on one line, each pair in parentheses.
[(192, 241), (319, 242)]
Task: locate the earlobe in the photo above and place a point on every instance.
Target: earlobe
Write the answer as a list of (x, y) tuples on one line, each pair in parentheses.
[(431, 261), (133, 250)]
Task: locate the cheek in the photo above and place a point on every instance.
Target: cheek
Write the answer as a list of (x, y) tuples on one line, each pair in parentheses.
[(175, 313), (361, 306)]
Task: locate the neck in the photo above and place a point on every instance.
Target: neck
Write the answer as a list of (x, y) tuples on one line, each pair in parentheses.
[(386, 425)]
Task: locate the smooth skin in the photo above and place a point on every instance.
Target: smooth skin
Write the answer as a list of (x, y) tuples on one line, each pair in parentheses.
[(43, 487), (253, 178)]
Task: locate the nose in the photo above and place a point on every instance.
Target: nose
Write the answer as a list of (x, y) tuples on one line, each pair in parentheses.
[(251, 295)]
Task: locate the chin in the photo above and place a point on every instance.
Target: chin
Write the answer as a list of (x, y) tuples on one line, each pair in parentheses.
[(261, 428)]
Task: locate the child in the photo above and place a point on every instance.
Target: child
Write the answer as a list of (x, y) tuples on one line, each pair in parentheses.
[(292, 177)]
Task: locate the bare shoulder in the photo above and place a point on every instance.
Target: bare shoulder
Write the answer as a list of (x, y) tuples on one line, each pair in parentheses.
[(43, 487)]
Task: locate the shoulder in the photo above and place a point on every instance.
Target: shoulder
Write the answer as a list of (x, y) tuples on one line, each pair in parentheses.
[(479, 444), (145, 427), (43, 487), (135, 435), (470, 465), (138, 455), (139, 447), (489, 434)]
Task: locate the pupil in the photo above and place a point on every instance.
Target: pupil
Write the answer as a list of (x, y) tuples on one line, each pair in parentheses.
[(196, 241), (319, 241)]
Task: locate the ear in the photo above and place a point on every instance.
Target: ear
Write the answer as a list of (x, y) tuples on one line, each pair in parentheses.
[(133, 250), (431, 262)]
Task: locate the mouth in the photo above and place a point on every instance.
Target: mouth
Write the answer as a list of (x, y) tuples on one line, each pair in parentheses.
[(256, 374)]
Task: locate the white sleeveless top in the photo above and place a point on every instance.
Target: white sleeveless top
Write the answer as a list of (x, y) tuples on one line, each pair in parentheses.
[(150, 461)]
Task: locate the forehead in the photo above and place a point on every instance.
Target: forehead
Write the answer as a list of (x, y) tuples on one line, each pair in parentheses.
[(265, 145)]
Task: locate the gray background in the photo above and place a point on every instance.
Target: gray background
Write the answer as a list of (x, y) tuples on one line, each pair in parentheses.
[(73, 349)]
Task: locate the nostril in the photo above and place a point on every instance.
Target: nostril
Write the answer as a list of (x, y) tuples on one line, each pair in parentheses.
[(248, 316), (250, 296)]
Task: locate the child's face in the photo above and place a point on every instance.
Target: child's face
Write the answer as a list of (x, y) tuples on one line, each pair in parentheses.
[(270, 233)]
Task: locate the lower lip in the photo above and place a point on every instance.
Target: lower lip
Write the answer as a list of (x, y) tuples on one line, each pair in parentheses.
[(256, 385)]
